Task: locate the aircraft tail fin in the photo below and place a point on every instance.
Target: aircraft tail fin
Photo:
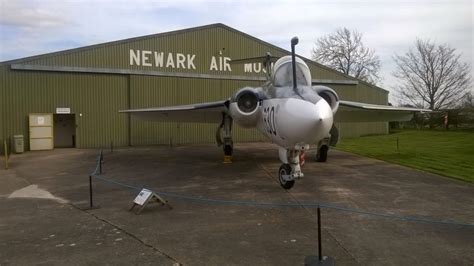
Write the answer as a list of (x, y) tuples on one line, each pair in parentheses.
[(266, 60)]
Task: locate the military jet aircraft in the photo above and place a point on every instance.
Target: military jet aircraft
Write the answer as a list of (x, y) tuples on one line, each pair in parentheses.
[(287, 109)]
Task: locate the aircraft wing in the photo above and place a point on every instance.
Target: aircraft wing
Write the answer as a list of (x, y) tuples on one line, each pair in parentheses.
[(363, 112), (210, 112)]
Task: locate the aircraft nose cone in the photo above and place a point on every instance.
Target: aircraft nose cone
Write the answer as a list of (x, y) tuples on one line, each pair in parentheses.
[(305, 122), (324, 117)]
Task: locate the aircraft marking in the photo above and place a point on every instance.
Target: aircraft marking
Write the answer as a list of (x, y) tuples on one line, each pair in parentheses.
[(269, 120)]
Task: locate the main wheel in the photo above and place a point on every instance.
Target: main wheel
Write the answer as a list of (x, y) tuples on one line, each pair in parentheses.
[(285, 169), (322, 154), (228, 150)]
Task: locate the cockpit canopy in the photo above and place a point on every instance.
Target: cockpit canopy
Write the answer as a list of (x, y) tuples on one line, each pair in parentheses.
[(282, 74)]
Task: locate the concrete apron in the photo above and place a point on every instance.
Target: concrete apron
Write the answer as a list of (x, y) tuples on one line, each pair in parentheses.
[(41, 220)]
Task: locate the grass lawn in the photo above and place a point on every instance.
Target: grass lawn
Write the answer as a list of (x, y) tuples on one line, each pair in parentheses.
[(449, 153)]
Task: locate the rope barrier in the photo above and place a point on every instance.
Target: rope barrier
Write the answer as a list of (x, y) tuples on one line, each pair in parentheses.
[(277, 205)]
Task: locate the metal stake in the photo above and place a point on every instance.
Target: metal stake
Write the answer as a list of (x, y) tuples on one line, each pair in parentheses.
[(319, 260), (320, 246), (5, 149), (91, 203), (398, 146), (100, 161)]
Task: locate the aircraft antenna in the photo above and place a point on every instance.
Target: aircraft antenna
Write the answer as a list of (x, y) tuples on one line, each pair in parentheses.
[(294, 42)]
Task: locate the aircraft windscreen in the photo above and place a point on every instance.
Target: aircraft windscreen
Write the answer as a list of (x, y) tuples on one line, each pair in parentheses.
[(283, 73)]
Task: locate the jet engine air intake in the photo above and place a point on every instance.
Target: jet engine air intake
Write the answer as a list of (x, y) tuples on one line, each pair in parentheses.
[(244, 107), (329, 95), (247, 101)]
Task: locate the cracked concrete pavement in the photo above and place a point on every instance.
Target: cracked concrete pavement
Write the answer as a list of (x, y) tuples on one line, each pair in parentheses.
[(43, 221)]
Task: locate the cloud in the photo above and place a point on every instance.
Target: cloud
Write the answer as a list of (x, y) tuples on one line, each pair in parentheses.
[(31, 27), (21, 14)]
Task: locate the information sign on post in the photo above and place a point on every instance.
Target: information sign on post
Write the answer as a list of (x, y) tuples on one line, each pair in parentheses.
[(146, 196), (142, 197)]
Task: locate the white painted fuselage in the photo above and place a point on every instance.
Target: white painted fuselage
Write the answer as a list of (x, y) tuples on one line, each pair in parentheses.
[(292, 122)]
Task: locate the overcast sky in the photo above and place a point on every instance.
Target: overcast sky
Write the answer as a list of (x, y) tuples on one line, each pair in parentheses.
[(29, 27)]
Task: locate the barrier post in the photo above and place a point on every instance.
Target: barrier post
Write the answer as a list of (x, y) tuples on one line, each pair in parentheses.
[(398, 146), (319, 260), (91, 203), (320, 246), (100, 161), (5, 150), (91, 192)]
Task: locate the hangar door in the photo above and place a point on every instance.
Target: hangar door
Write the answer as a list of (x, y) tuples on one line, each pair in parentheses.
[(64, 131), (41, 132)]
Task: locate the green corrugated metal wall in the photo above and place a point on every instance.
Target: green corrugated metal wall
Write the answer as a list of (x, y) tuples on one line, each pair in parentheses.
[(98, 97), (3, 110)]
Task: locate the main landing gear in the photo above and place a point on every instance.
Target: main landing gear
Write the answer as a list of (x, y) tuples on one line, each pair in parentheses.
[(323, 147), (228, 150), (322, 154), (224, 137)]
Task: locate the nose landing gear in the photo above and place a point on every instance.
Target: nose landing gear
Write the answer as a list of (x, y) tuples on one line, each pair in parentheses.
[(284, 176), (290, 170)]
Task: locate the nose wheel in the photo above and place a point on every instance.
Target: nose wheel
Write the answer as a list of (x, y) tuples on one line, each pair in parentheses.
[(290, 170), (285, 176)]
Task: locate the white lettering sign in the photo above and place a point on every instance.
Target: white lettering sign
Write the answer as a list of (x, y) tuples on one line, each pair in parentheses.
[(253, 68), (172, 60), (134, 57), (63, 110), (190, 61), (145, 58), (248, 68), (213, 65), (169, 61), (180, 58), (223, 65), (227, 64), (159, 59), (40, 120)]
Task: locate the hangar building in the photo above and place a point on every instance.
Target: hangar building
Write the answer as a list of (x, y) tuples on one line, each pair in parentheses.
[(82, 89)]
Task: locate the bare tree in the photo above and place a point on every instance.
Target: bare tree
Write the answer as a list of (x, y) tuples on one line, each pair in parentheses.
[(468, 100), (345, 52), (431, 76)]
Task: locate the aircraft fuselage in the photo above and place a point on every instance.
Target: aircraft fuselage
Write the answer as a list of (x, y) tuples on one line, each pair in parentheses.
[(291, 122)]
